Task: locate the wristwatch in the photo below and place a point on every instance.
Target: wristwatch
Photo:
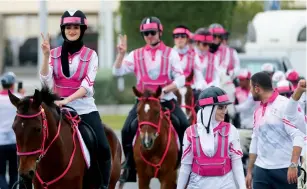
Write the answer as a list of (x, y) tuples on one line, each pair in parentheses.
[(293, 165)]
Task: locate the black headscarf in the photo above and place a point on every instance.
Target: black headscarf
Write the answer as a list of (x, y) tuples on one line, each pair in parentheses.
[(70, 47)]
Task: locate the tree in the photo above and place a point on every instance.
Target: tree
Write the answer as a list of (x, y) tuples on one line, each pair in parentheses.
[(194, 14)]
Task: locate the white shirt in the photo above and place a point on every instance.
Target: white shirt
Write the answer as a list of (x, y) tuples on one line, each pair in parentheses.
[(7, 114), (202, 67), (153, 65), (273, 135), (86, 104), (199, 81), (226, 60)]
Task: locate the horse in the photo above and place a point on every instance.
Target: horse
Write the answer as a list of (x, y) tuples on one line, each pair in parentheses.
[(185, 98), (49, 145), (155, 149)]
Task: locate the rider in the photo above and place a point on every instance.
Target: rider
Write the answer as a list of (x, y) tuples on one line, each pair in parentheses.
[(268, 68), (7, 135), (204, 39), (188, 59), (208, 144), (243, 96), (72, 68), (278, 76), (293, 77), (285, 88), (154, 65), (229, 62)]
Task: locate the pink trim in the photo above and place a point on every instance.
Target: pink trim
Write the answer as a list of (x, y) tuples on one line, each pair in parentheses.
[(181, 31), (293, 76), (284, 89), (151, 26), (244, 76), (206, 101), (222, 98), (186, 151), (217, 30), (210, 68), (74, 20), (82, 150), (4, 92), (287, 122), (203, 38), (68, 20), (238, 152), (90, 83), (273, 97)]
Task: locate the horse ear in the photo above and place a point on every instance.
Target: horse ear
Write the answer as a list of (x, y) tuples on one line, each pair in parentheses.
[(37, 99), (136, 92), (158, 92), (190, 77), (14, 99)]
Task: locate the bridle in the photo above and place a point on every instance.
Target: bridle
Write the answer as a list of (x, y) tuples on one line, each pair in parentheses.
[(192, 106), (163, 115), (43, 149)]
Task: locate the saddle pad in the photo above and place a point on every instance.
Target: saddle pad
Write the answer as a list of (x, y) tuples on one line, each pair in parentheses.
[(85, 152), (173, 129)]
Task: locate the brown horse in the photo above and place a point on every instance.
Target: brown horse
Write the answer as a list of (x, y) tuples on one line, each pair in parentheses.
[(185, 98), (48, 145), (155, 149)]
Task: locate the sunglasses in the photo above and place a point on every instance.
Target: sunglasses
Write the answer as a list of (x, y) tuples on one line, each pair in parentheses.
[(180, 36), (146, 33), (203, 43), (217, 36)]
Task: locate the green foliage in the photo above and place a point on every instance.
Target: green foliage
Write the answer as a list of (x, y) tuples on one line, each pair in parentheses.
[(243, 13), (106, 91), (194, 14)]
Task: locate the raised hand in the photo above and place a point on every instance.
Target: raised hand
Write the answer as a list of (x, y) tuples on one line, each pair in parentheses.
[(46, 45), (122, 47)]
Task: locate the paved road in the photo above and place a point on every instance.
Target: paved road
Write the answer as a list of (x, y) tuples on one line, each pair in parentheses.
[(154, 184)]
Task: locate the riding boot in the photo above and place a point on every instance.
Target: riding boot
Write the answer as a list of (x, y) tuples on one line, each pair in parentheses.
[(129, 174), (105, 168)]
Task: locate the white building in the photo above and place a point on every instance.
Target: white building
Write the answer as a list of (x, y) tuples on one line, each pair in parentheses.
[(20, 18)]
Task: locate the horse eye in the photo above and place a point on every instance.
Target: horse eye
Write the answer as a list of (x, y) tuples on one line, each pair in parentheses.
[(37, 129)]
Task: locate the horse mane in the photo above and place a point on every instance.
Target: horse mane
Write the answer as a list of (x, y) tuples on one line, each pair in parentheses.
[(47, 96)]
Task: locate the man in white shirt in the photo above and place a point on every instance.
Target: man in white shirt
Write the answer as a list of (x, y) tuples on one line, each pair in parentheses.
[(276, 143), (7, 135)]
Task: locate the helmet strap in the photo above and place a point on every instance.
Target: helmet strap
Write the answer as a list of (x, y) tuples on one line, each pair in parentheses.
[(155, 43), (207, 128)]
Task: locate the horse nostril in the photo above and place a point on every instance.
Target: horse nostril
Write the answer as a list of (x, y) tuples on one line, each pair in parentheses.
[(31, 174)]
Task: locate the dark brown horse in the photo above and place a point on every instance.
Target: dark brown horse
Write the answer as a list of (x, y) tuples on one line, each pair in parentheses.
[(48, 145), (155, 149), (185, 98)]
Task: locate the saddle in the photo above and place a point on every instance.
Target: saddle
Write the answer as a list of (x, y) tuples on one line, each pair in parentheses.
[(93, 175)]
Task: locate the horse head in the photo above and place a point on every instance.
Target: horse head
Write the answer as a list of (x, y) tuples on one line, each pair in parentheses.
[(150, 115), (185, 97), (31, 130)]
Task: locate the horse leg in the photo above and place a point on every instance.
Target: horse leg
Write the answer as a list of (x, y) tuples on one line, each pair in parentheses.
[(169, 180), (144, 180)]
